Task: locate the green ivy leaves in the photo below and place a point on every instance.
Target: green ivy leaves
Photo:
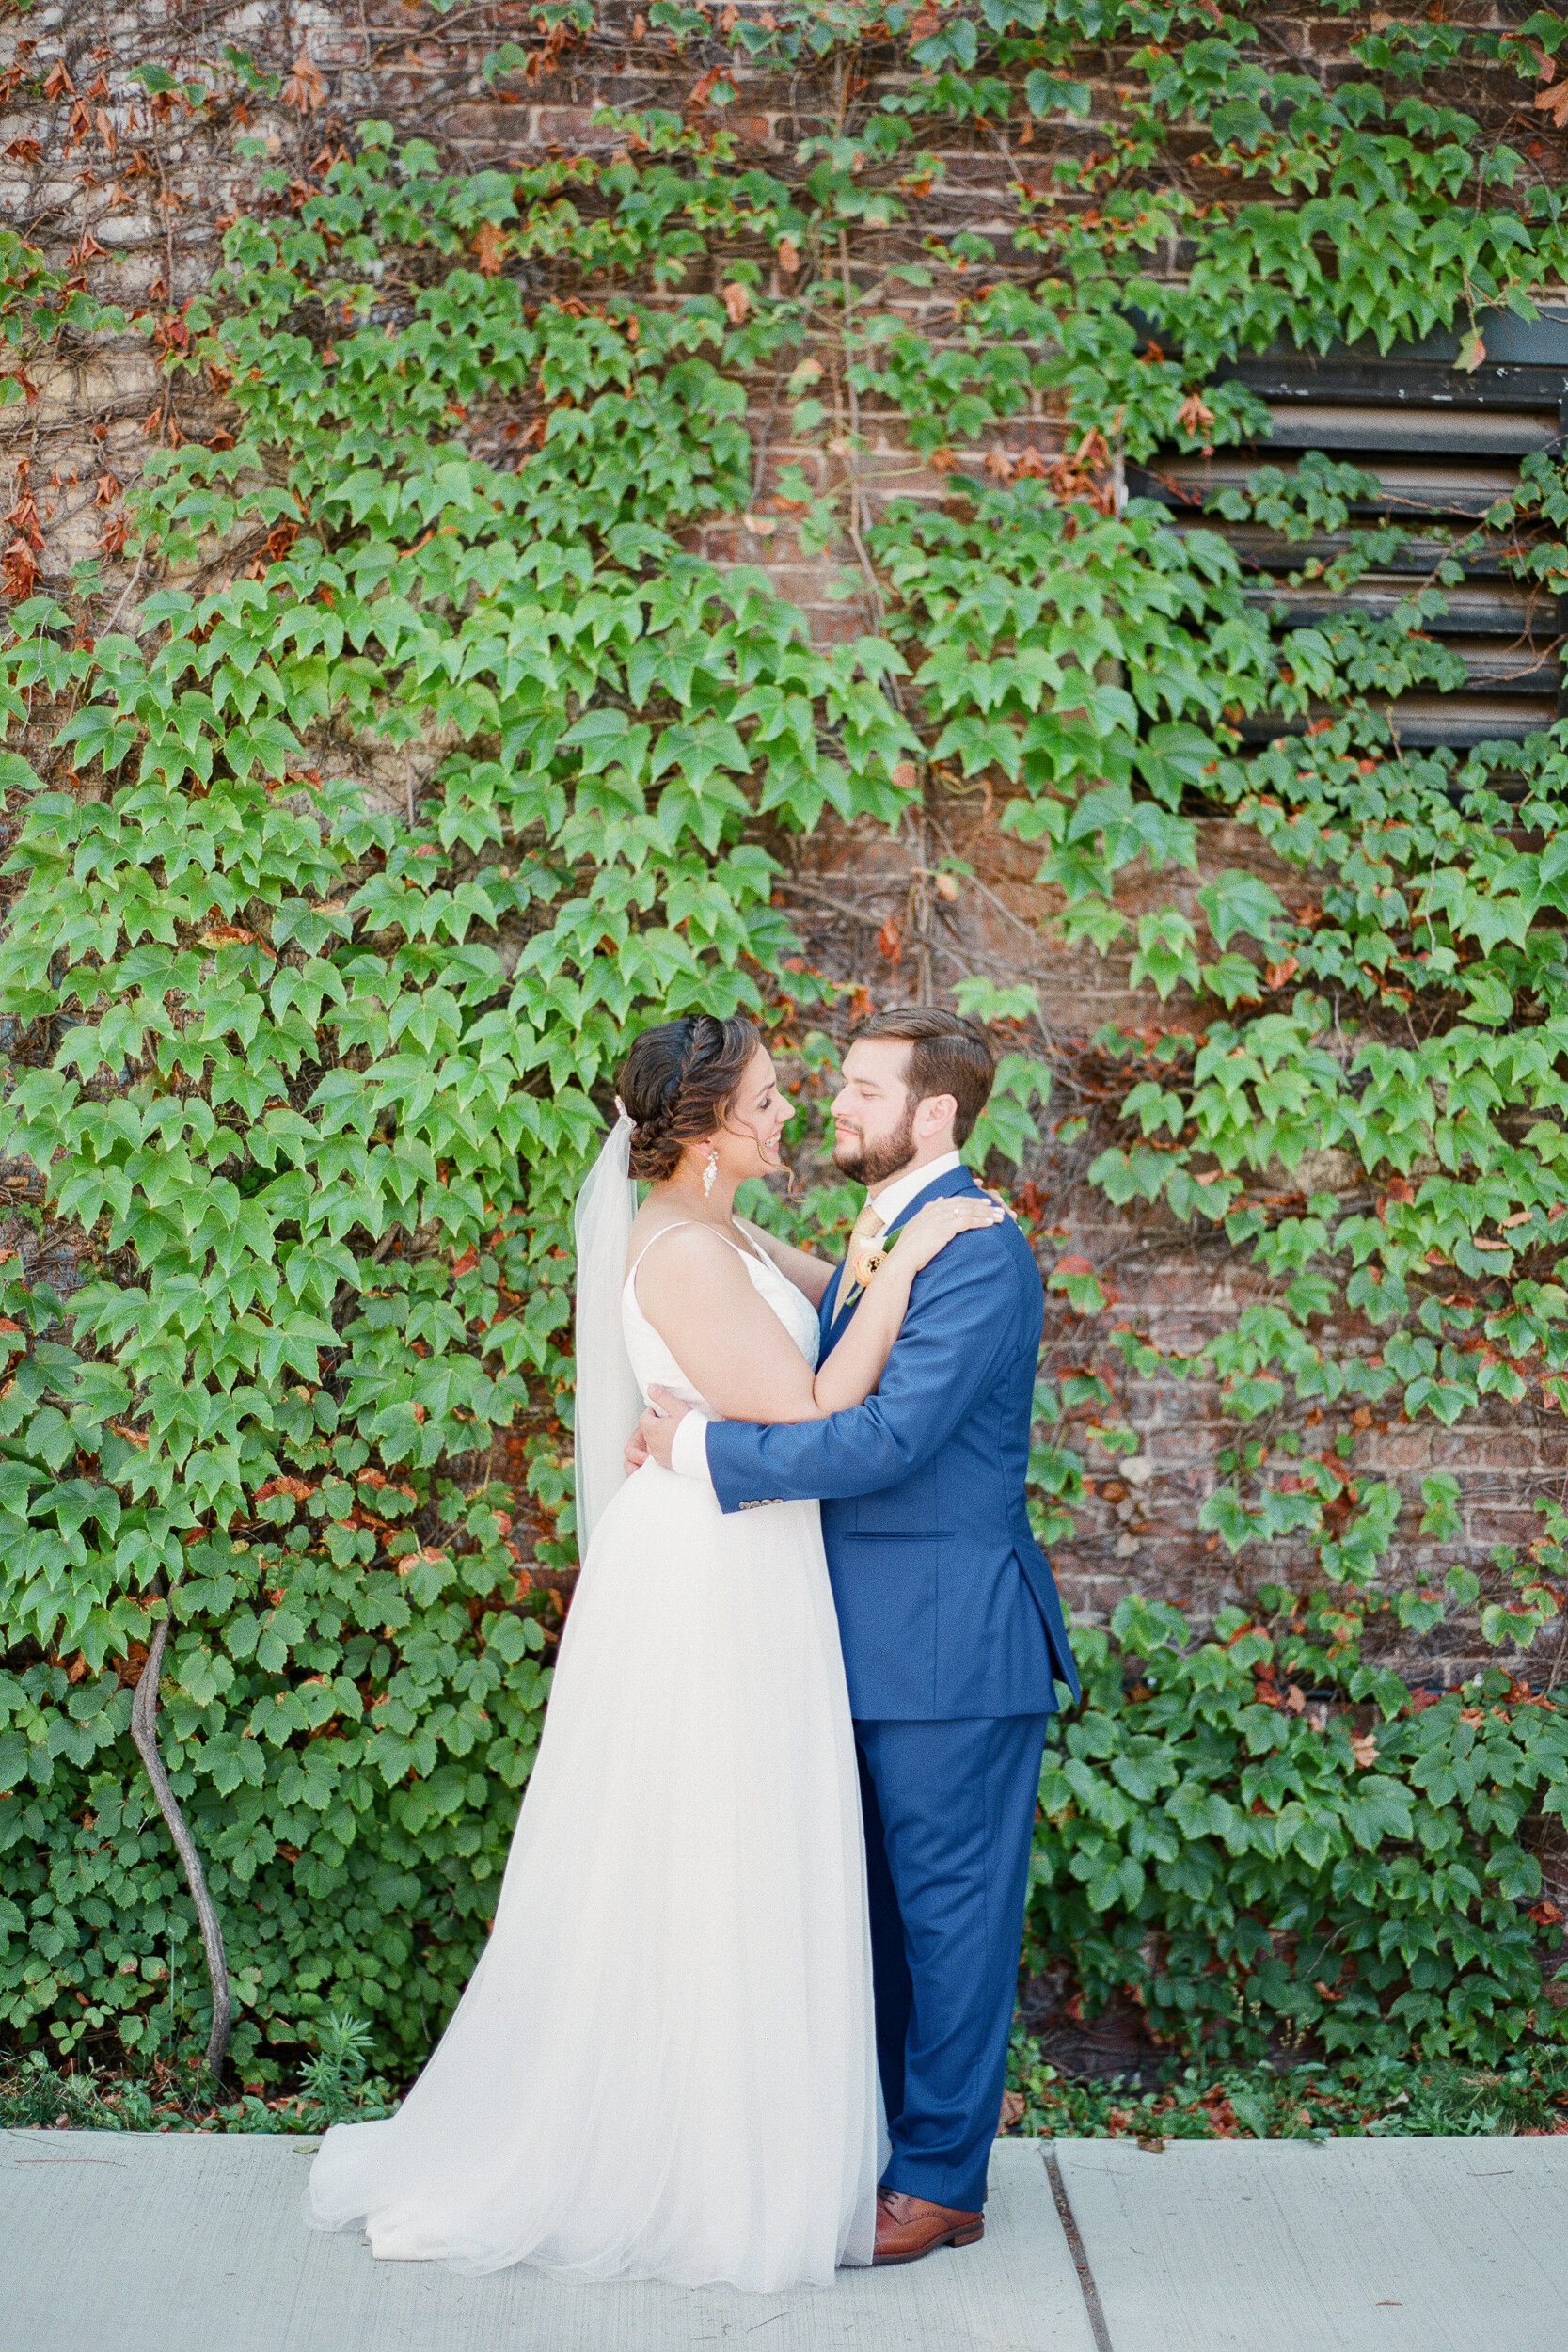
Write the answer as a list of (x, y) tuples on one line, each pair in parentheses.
[(1251, 1865), (352, 855)]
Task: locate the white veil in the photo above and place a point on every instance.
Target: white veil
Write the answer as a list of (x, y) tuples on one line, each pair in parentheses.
[(609, 1400)]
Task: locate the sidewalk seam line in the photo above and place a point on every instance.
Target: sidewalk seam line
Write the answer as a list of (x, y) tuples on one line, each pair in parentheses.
[(1086, 2287)]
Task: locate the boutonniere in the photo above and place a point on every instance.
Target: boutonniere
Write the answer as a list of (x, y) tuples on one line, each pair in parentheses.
[(867, 1263)]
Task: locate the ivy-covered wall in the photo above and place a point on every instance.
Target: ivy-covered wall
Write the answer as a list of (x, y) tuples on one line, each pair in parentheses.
[(634, 516)]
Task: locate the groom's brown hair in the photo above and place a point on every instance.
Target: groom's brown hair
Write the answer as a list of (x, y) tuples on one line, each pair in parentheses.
[(947, 1056)]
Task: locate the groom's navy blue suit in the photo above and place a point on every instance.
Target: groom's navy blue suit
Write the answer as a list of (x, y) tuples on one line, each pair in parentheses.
[(953, 1641)]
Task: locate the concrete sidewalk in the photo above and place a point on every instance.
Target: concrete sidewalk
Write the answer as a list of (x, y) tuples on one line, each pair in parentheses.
[(1346, 2245), (116, 2242), (122, 2242)]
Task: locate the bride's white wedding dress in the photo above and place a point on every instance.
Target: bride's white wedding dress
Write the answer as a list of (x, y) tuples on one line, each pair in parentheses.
[(663, 2065)]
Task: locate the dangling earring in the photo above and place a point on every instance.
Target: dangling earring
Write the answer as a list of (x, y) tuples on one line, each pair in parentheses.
[(711, 1171)]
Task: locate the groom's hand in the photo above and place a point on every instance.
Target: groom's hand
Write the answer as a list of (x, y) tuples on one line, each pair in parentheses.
[(657, 1429)]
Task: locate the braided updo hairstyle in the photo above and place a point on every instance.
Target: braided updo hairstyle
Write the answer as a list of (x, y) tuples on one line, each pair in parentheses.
[(679, 1079)]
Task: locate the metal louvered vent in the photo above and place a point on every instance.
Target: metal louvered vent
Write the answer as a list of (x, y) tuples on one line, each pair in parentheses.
[(1444, 444)]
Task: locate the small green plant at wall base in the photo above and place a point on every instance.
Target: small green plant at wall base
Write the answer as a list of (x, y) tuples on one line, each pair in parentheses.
[(335, 2077), (1375, 2098), (34, 2095), (1378, 2097), (404, 756)]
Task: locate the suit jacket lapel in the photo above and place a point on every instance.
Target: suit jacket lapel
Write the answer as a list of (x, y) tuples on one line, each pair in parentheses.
[(956, 1180), (825, 1313)]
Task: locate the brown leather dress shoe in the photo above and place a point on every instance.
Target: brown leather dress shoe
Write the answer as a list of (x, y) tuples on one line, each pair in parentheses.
[(908, 2227)]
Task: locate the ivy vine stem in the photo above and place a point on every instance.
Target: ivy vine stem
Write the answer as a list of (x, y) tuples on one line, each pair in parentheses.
[(144, 1731)]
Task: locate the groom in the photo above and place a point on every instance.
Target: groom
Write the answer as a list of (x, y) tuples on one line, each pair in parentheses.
[(954, 1639)]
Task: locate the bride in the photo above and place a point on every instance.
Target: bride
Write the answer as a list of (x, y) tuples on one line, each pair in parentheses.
[(664, 2065)]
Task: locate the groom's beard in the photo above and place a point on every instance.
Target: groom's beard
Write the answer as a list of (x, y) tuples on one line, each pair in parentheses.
[(871, 1163)]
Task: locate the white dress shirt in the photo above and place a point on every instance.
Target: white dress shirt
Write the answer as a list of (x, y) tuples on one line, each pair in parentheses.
[(689, 1454)]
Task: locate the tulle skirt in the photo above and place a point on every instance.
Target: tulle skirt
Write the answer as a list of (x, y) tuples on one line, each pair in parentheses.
[(664, 2064)]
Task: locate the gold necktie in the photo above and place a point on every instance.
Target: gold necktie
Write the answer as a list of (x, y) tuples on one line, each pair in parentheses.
[(868, 1226)]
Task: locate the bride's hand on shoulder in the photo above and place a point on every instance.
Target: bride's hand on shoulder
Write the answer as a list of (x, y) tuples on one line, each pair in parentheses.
[(930, 1230)]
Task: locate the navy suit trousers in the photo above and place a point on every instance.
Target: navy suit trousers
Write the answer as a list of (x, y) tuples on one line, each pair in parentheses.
[(949, 1810)]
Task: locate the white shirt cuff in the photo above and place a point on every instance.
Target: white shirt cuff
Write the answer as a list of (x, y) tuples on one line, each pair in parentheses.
[(689, 1452)]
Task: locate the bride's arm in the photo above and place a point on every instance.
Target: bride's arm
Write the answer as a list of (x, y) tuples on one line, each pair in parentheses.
[(855, 1366), (695, 1290), (810, 1275)]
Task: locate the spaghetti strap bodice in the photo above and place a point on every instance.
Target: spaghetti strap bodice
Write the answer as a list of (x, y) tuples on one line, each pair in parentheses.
[(650, 1359)]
